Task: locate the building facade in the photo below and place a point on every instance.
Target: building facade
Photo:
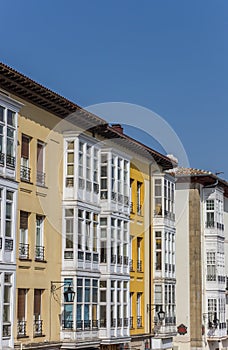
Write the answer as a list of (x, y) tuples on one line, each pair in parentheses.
[(9, 108), (200, 264)]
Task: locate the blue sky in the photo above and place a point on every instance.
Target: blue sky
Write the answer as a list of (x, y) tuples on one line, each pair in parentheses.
[(168, 56)]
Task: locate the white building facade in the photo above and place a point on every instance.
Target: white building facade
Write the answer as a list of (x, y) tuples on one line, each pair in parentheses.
[(8, 209), (95, 243)]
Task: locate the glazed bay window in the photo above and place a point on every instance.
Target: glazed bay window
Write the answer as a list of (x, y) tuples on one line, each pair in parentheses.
[(7, 299), (211, 266), (157, 300), (88, 168), (170, 304), (39, 252), (23, 244), (95, 170), (103, 240), (7, 137), (87, 301), (69, 233), (103, 303), (158, 196), (40, 172), (125, 303), (139, 310), (104, 176), (9, 221), (158, 250), (68, 307), (212, 311), (25, 169), (95, 237), (210, 213), (70, 164)]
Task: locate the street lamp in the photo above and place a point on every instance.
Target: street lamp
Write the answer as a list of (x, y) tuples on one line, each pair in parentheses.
[(161, 313)]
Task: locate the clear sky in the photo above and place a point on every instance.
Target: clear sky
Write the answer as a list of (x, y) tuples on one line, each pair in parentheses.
[(169, 56)]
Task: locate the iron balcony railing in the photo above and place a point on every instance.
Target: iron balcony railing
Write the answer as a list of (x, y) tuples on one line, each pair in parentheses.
[(170, 321), (113, 322), (132, 208), (103, 322), (39, 253), (21, 329), (125, 323), (25, 173), (131, 322), (131, 264), (40, 178), (23, 251), (139, 209), (139, 321), (113, 259), (68, 324), (10, 161), (2, 158), (139, 265), (210, 224), (38, 328), (125, 260), (6, 330), (119, 259), (119, 322)]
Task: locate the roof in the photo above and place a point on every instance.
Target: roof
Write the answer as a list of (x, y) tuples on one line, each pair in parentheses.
[(204, 177), (33, 92)]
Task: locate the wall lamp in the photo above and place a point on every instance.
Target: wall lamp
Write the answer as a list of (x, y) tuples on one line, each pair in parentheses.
[(69, 293), (161, 313)]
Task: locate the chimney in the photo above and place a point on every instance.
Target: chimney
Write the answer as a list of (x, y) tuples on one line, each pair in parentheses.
[(118, 128)]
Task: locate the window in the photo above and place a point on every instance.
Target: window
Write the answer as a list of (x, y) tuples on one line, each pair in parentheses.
[(138, 311), (95, 171), (87, 301), (158, 196), (88, 168), (23, 245), (38, 323), (139, 199), (139, 261), (70, 164), (210, 215), (25, 170), (7, 137), (212, 311), (211, 266), (6, 305), (21, 312), (9, 213), (103, 241), (68, 306), (39, 238), (158, 250), (69, 233), (40, 173), (104, 176)]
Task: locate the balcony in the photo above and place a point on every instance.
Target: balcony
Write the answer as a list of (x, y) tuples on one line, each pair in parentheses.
[(139, 209), (21, 329), (8, 244), (40, 178), (125, 260), (131, 322), (25, 173), (38, 328), (10, 161), (23, 251), (68, 324), (139, 265), (131, 265), (119, 260), (39, 253), (210, 224), (139, 321), (113, 322), (6, 330), (2, 158)]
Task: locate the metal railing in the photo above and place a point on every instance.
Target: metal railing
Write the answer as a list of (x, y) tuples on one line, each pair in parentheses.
[(39, 253), (2, 158), (113, 322), (131, 264), (68, 324), (6, 330), (25, 173), (139, 321), (23, 251), (10, 161), (21, 328), (131, 322), (38, 328), (125, 260), (139, 265)]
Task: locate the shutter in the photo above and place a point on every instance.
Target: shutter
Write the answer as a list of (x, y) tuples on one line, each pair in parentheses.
[(25, 147), (21, 304), (37, 302), (23, 220), (40, 156)]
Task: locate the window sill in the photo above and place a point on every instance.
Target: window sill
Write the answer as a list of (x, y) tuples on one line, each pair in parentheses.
[(22, 336), (25, 259), (39, 336), (42, 186), (41, 261), (26, 181)]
